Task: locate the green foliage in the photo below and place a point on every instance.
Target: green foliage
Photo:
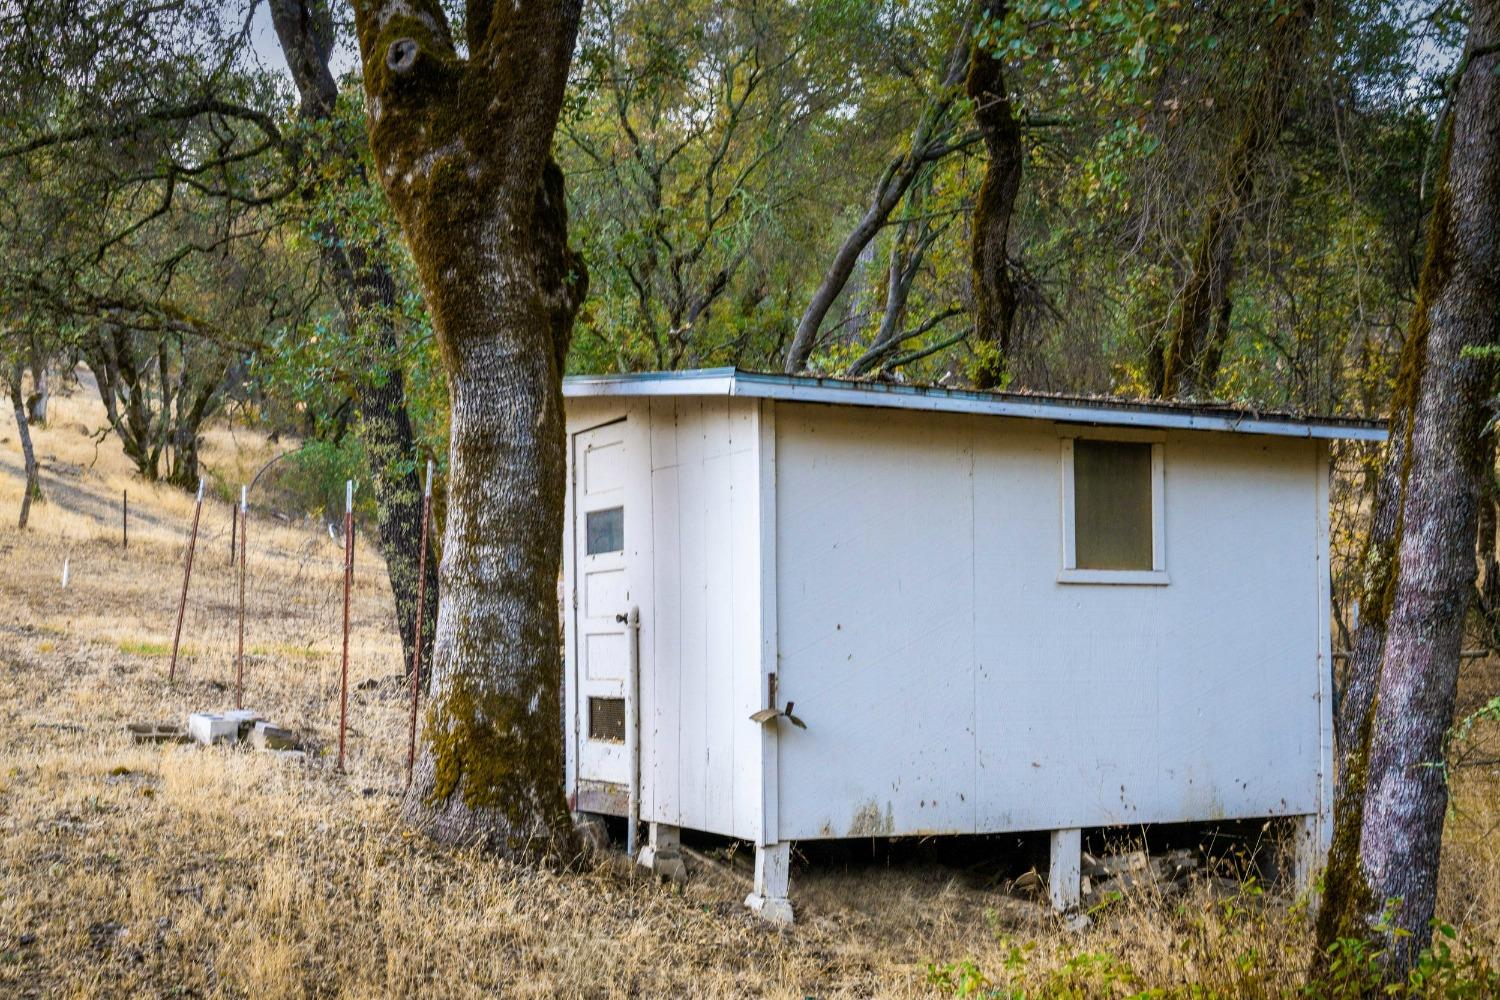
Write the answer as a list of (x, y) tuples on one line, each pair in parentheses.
[(312, 478)]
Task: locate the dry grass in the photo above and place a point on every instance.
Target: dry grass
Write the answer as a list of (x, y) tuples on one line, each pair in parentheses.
[(127, 870)]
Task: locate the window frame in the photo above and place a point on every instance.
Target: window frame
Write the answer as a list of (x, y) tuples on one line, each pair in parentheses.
[(1157, 575)]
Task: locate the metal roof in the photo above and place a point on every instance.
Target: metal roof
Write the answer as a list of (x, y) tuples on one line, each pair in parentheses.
[(1107, 411)]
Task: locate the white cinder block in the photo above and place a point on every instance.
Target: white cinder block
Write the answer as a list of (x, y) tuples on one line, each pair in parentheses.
[(209, 729)]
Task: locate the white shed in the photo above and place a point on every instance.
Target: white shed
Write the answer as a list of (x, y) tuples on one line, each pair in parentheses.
[(859, 609)]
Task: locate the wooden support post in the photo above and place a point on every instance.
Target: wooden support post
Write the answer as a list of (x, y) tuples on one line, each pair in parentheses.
[(773, 875), (187, 574), (1064, 885), (348, 586), (1308, 854), (416, 644), (239, 654)]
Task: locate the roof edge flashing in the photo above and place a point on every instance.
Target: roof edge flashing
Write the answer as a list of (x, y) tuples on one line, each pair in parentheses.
[(1058, 409)]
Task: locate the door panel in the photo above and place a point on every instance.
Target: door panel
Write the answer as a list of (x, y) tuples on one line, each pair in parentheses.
[(602, 599)]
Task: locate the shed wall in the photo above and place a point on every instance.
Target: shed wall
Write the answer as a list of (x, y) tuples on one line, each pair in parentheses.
[(951, 684)]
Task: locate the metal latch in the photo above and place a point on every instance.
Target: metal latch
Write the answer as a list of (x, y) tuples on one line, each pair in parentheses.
[(768, 714)]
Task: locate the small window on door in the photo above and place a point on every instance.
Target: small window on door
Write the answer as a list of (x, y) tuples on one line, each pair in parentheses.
[(607, 719), (604, 531), (1112, 512)]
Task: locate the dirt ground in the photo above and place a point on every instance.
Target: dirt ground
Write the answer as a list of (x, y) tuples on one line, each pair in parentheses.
[(128, 870)]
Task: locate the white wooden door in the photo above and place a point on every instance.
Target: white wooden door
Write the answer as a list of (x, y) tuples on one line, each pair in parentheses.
[(602, 601)]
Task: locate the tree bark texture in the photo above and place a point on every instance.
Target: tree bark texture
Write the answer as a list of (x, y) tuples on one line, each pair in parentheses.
[(366, 292), (33, 486), (1445, 387), (1487, 549), (36, 405), (930, 142), (989, 263), (1189, 362), (463, 147)]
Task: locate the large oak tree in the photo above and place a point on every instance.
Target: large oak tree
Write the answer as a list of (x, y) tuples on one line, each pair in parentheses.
[(461, 131)]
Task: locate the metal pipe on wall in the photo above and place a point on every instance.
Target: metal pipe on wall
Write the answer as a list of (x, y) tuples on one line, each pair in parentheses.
[(633, 731)]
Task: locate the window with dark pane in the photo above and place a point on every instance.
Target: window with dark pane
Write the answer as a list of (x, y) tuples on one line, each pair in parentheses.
[(1112, 505), (607, 719), (605, 530)]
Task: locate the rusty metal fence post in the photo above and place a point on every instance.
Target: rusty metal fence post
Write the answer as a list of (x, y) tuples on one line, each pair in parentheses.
[(416, 650), (348, 585), (239, 654), (187, 574)]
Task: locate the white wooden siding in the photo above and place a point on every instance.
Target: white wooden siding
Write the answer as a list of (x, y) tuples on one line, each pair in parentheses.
[(899, 573), (950, 683), (702, 757), (875, 573)]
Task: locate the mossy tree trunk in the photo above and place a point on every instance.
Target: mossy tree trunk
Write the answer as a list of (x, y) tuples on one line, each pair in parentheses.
[(463, 147), (1190, 354), (1388, 838), (190, 414), (33, 486), (366, 293), (1487, 548), (36, 403), (989, 263)]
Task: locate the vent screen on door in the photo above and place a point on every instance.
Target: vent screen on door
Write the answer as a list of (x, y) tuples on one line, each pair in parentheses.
[(607, 719)]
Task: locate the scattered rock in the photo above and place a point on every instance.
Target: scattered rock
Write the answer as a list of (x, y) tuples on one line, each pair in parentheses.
[(245, 718), (1029, 884), (1121, 874), (26, 940), (62, 727), (102, 935), (268, 737), (368, 685), (593, 832), (209, 728), (1118, 864), (156, 733), (1077, 922)]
